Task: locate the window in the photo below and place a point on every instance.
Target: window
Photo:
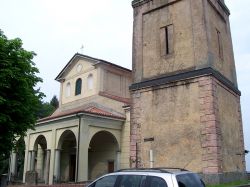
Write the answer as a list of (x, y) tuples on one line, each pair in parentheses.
[(90, 82), (78, 88), (167, 41), (130, 181), (156, 182), (108, 181), (189, 180), (68, 89), (220, 48)]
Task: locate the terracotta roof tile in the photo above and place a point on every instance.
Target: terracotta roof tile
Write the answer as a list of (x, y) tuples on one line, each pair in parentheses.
[(90, 110)]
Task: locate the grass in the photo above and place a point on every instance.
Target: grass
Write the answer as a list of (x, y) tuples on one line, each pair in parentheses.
[(232, 184)]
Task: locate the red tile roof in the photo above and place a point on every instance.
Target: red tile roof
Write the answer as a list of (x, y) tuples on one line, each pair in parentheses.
[(89, 110), (114, 97)]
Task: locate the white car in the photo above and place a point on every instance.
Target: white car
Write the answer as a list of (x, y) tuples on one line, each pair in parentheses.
[(153, 177)]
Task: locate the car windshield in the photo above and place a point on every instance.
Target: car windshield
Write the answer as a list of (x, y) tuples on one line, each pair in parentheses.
[(189, 180)]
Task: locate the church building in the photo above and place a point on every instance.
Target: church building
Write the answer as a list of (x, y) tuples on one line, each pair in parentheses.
[(88, 135), (178, 107)]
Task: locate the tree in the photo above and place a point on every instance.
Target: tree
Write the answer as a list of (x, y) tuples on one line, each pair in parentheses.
[(45, 110), (19, 100), (54, 102)]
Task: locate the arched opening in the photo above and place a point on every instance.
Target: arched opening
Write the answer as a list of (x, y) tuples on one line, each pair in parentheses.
[(103, 150), (40, 148), (78, 88), (67, 159)]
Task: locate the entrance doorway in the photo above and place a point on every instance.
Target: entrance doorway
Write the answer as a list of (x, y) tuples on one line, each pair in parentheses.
[(72, 168), (103, 149), (111, 166), (67, 146)]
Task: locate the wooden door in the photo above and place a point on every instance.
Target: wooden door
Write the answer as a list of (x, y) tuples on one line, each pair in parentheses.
[(111, 166)]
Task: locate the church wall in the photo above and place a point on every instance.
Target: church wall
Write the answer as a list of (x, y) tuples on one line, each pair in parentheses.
[(231, 127), (193, 21), (100, 100), (168, 116), (218, 21), (150, 20), (155, 60), (115, 82), (85, 91)]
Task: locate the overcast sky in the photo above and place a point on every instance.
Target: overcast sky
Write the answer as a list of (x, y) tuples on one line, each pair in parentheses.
[(56, 29)]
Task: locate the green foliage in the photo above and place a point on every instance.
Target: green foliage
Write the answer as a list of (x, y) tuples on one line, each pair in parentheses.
[(19, 101), (4, 164), (232, 184), (54, 102), (45, 110)]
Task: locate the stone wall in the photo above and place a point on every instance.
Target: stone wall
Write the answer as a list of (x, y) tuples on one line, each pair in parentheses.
[(193, 124)]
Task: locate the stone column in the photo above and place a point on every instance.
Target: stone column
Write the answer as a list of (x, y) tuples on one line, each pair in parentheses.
[(32, 161), (118, 160), (29, 161), (13, 164), (57, 165), (46, 177), (83, 152)]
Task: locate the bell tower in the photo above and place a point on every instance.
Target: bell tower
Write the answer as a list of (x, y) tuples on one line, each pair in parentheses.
[(185, 101)]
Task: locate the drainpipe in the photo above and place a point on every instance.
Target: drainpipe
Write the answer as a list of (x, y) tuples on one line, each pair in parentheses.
[(151, 158), (78, 145), (136, 155)]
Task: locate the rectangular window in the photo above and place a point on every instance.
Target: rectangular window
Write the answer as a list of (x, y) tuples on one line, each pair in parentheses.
[(167, 40), (220, 48)]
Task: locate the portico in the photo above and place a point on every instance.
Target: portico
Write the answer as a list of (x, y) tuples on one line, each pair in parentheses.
[(88, 135)]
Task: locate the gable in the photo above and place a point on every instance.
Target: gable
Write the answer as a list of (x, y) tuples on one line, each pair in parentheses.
[(79, 66), (76, 66)]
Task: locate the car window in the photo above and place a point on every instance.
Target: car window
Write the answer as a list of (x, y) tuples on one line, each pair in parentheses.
[(189, 180), (130, 181), (108, 181), (156, 182)]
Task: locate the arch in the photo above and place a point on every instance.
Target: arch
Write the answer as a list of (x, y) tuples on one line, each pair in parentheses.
[(66, 157), (40, 151), (40, 140), (66, 133), (90, 81), (68, 90), (103, 150), (78, 88)]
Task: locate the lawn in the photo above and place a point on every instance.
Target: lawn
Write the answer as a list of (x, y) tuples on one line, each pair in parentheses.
[(232, 184)]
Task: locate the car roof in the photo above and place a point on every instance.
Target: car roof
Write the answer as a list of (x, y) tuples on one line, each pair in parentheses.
[(160, 172), (156, 170), (150, 171)]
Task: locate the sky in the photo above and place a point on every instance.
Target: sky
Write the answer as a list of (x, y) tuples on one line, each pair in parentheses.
[(57, 29)]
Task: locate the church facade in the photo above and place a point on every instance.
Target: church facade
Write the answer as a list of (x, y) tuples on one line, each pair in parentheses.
[(178, 107), (88, 135)]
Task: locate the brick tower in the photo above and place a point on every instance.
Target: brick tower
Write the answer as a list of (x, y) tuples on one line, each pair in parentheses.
[(185, 100)]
